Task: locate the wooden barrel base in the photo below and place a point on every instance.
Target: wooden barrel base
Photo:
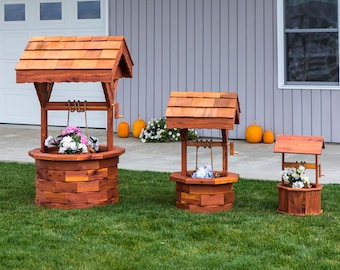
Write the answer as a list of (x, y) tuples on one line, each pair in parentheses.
[(68, 181), (205, 195), (300, 202)]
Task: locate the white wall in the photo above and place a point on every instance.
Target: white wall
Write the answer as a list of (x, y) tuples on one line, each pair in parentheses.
[(19, 103)]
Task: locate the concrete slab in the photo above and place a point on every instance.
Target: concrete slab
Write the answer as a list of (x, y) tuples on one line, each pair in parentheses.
[(253, 161)]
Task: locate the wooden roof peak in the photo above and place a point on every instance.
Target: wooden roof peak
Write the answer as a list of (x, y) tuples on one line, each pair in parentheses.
[(74, 59)]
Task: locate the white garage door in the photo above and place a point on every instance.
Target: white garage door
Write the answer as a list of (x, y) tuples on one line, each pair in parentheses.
[(22, 19)]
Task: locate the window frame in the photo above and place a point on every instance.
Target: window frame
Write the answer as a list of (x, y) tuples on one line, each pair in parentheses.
[(51, 2), (10, 4), (281, 52), (100, 10)]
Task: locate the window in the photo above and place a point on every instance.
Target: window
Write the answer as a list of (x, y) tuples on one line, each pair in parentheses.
[(88, 9), (308, 44), (50, 11), (14, 12)]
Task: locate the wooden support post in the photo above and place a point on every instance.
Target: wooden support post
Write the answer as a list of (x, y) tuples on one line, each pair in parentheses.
[(184, 140), (109, 132), (44, 91), (44, 129), (225, 152), (110, 94), (316, 171)]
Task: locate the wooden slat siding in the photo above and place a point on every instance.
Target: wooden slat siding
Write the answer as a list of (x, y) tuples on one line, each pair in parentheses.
[(270, 71), (76, 63), (202, 112), (335, 110), (222, 45), (192, 102), (158, 63), (204, 94), (199, 123), (178, 59), (59, 76), (249, 69), (70, 54), (72, 45)]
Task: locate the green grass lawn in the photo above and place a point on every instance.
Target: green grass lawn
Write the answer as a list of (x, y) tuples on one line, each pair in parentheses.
[(146, 231)]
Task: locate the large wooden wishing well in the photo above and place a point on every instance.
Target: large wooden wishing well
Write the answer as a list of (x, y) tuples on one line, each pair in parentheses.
[(76, 180), (204, 110)]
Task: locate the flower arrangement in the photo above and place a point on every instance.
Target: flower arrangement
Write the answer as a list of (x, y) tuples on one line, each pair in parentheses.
[(72, 141), (156, 131), (296, 177), (203, 172)]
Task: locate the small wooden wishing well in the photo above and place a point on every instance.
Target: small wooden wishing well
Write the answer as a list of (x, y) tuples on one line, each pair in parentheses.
[(300, 201), (204, 110)]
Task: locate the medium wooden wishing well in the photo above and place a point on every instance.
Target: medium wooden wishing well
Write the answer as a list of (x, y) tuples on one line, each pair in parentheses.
[(76, 180), (204, 110)]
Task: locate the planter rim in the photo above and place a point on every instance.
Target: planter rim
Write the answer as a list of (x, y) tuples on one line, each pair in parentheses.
[(288, 188), (231, 178), (102, 154)]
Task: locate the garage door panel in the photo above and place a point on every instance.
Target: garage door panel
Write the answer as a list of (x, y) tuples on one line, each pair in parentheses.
[(19, 107), (14, 37), (12, 44), (7, 69)]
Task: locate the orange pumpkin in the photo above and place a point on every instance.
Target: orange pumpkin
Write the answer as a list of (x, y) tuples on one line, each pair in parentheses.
[(268, 136), (137, 127), (254, 133), (123, 129)]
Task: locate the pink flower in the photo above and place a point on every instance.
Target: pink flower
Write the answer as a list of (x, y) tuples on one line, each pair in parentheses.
[(83, 138), (70, 130)]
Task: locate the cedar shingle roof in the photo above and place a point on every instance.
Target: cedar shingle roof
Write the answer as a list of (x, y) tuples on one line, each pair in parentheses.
[(210, 110), (74, 59)]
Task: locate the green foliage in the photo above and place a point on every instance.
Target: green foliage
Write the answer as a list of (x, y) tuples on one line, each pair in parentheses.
[(145, 230)]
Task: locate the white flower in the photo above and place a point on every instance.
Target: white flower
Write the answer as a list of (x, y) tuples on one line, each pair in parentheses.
[(306, 181), (66, 141), (203, 172), (49, 141), (296, 177), (82, 147), (298, 184), (73, 145)]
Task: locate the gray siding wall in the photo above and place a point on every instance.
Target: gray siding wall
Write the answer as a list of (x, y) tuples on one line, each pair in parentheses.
[(215, 45)]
